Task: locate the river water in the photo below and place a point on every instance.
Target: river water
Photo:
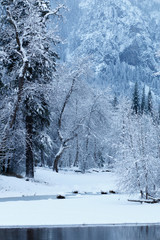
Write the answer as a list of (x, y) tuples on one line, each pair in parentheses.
[(137, 232)]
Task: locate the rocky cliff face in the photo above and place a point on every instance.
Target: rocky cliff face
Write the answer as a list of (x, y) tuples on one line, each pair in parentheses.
[(117, 29), (121, 36)]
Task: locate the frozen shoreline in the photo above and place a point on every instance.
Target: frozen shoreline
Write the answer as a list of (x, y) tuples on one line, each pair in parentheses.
[(31, 209), (80, 226)]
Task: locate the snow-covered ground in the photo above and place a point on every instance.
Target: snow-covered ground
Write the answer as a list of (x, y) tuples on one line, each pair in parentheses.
[(47, 182), (75, 209)]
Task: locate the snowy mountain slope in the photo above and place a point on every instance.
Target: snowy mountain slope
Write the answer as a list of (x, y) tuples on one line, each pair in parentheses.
[(121, 36), (109, 30)]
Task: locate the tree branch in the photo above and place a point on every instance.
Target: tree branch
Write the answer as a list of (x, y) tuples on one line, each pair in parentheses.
[(55, 12)]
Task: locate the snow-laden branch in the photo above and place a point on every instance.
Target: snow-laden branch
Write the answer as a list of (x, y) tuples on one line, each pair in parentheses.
[(66, 102), (18, 40), (55, 12), (156, 74), (2, 54)]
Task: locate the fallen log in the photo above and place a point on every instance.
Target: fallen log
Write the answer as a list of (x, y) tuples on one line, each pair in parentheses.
[(145, 201)]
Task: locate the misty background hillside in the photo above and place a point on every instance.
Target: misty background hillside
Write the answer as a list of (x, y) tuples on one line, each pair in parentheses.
[(121, 37)]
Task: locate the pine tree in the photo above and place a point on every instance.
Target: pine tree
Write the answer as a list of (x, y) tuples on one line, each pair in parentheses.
[(158, 118), (135, 100), (150, 103), (143, 102), (115, 102)]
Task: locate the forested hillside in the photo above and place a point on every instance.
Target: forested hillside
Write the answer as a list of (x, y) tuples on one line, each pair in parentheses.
[(121, 38)]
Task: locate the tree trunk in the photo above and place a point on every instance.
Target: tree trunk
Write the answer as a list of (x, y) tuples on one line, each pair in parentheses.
[(77, 154), (2, 161), (5, 162), (56, 161), (95, 152), (29, 152), (42, 158), (58, 156), (8, 166), (146, 192), (2, 166), (3, 146), (141, 192)]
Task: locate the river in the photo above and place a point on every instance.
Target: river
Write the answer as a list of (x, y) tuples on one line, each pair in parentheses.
[(109, 232)]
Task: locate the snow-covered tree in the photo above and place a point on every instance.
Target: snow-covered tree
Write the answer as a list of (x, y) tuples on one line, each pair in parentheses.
[(135, 100), (150, 103), (138, 162), (68, 121), (143, 102), (81, 115), (28, 65)]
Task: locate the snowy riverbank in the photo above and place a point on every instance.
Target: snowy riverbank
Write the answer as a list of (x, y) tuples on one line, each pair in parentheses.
[(75, 209)]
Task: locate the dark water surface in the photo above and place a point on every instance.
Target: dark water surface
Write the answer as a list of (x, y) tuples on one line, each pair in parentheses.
[(137, 232)]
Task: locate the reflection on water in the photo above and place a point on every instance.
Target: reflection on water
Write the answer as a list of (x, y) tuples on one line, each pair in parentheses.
[(151, 232)]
